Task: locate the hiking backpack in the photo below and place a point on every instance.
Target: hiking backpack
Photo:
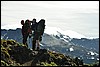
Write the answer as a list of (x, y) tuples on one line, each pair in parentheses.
[(41, 26)]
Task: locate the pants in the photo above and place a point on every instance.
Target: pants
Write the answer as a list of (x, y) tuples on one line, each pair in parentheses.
[(36, 38), (33, 44), (25, 36)]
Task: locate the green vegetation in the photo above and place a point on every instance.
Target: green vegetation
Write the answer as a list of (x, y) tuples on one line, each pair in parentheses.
[(17, 54), (47, 64)]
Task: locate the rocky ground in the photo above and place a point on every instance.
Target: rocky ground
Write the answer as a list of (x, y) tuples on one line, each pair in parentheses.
[(17, 54)]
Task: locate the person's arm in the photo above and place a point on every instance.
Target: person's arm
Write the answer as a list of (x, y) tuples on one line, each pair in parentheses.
[(22, 31)]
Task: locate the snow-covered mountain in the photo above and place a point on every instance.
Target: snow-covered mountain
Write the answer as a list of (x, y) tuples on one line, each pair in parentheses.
[(67, 42), (72, 37), (58, 31)]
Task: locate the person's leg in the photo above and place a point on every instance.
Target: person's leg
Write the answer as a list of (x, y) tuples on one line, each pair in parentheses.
[(24, 39), (38, 40), (38, 44), (34, 41), (26, 36), (36, 37), (33, 44)]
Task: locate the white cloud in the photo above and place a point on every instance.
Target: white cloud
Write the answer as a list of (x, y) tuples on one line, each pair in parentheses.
[(66, 4), (11, 26), (74, 15)]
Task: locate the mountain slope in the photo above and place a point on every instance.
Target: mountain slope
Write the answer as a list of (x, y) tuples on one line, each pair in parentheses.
[(16, 54), (87, 49)]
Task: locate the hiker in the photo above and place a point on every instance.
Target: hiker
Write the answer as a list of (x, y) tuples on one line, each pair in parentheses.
[(23, 31), (38, 32), (33, 27), (26, 30)]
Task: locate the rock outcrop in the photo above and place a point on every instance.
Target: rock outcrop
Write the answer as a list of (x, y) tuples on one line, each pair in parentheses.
[(17, 54)]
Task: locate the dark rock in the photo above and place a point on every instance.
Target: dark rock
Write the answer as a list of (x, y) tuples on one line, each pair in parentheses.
[(19, 55)]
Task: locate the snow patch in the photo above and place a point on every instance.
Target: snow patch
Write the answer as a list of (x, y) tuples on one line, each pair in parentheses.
[(71, 49), (92, 53), (52, 30), (41, 44), (97, 58), (96, 53), (64, 40), (92, 58), (73, 34)]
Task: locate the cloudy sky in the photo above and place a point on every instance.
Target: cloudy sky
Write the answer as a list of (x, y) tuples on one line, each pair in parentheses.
[(78, 16)]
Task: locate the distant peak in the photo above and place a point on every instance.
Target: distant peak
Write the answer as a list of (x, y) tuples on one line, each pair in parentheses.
[(57, 31)]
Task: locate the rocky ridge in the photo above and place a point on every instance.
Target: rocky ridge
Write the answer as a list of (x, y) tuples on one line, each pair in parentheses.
[(17, 54)]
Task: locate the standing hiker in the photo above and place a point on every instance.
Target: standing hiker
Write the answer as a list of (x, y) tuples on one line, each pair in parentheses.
[(38, 32), (33, 27), (23, 31), (26, 30)]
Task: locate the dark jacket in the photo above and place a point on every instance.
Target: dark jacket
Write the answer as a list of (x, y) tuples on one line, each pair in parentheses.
[(34, 26)]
